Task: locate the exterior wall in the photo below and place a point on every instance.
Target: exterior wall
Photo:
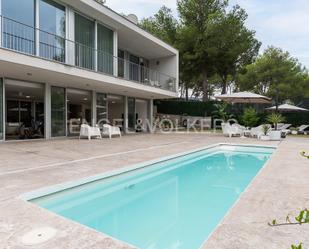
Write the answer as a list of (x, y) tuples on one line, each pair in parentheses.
[(118, 25), (65, 73), (167, 65)]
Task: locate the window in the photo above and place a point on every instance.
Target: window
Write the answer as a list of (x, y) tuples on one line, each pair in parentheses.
[(52, 30), (134, 67), (121, 63), (131, 114), (105, 50), (101, 108), (58, 113), (18, 25), (84, 38)]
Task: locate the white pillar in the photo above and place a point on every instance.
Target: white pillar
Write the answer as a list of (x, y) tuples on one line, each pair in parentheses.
[(150, 115), (70, 37), (94, 108), (125, 116), (47, 111), (115, 66)]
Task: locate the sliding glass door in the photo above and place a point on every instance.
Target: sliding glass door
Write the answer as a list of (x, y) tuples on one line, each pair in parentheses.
[(131, 114), (58, 112), (79, 110), (84, 38), (1, 109), (121, 63), (105, 50), (18, 25), (25, 112), (101, 109), (52, 30), (134, 68)]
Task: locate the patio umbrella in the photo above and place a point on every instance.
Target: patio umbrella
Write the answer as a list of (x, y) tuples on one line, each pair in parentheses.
[(244, 97), (287, 108)]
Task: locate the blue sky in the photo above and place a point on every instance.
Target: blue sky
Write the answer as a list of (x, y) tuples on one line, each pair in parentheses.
[(282, 23)]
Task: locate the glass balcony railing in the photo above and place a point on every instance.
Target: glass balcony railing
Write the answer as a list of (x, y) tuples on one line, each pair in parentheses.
[(29, 40)]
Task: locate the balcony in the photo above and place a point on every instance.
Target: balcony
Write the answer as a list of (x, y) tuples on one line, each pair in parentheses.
[(25, 39)]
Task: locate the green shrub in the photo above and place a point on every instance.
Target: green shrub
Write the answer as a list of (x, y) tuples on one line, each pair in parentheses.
[(250, 117), (222, 112)]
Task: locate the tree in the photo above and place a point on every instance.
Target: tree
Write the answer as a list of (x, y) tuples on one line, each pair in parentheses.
[(162, 24), (213, 43), (197, 38), (275, 74), (237, 46), (166, 27)]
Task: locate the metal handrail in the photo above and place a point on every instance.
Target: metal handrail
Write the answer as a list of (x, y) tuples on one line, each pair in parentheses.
[(84, 56)]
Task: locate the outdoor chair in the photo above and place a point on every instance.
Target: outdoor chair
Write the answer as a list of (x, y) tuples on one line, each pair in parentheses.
[(109, 130), (89, 132), (232, 130)]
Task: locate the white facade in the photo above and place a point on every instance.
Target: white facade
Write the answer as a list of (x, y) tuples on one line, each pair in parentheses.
[(135, 65)]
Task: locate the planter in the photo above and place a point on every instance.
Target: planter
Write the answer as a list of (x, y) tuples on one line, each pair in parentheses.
[(275, 135), (294, 132), (265, 138)]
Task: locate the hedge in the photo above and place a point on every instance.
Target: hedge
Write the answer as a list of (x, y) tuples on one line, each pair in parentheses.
[(205, 109), (190, 108)]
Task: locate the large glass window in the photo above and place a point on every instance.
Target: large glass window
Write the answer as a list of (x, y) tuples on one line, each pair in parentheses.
[(84, 38), (18, 25), (58, 113), (52, 30), (134, 68), (24, 110), (105, 50), (121, 63), (101, 108), (79, 106), (1, 109), (131, 114)]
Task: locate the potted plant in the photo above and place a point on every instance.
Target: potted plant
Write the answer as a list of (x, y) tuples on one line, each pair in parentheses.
[(275, 119), (265, 136), (250, 117)]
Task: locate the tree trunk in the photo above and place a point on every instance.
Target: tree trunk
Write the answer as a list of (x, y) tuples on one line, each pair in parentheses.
[(205, 87), (224, 85), (187, 92)]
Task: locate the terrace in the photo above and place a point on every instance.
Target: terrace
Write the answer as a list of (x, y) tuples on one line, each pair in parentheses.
[(46, 163), (92, 56)]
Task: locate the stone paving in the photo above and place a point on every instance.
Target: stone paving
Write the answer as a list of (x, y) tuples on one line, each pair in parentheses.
[(282, 187)]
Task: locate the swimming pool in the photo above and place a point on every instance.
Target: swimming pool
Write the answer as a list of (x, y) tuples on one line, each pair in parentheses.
[(170, 204)]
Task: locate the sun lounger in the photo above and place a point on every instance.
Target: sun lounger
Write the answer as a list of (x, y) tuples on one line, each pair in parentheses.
[(301, 129)]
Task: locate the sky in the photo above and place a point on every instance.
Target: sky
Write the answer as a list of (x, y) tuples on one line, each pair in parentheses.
[(281, 23)]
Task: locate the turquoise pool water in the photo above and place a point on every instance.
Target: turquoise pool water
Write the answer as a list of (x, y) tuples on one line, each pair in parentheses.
[(169, 205)]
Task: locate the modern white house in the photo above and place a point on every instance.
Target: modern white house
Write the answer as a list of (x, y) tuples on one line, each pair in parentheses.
[(67, 62)]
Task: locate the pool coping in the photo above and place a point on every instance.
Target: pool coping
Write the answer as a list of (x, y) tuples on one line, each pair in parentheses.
[(45, 191), (71, 184), (241, 194)]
